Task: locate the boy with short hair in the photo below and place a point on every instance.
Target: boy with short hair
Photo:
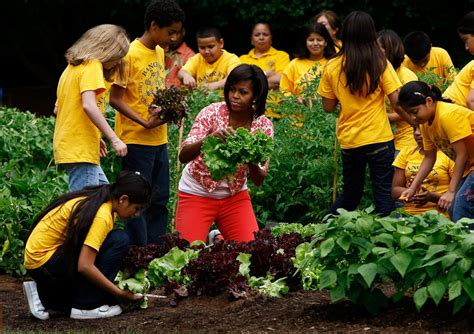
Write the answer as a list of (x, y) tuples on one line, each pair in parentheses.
[(176, 56), (212, 65), (132, 97), (422, 57)]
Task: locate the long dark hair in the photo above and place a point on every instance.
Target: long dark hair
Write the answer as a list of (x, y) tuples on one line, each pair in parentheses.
[(132, 184), (393, 46), (320, 29), (259, 81), (363, 61), (414, 93)]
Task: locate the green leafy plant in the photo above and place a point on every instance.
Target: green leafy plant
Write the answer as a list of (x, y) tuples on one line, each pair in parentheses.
[(432, 78), (139, 283), (310, 271), (168, 267), (244, 147), (304, 165), (29, 180), (268, 285), (427, 254), (172, 102)]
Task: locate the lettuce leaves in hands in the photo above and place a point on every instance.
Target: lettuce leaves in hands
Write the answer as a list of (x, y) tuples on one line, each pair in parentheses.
[(139, 283), (223, 158)]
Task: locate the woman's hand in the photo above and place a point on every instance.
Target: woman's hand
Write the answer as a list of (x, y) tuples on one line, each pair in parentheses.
[(446, 200), (223, 133)]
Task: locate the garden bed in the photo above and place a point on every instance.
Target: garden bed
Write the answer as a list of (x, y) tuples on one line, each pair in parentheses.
[(297, 312)]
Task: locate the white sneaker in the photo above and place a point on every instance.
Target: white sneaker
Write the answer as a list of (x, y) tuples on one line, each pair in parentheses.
[(211, 238), (105, 311), (35, 306)]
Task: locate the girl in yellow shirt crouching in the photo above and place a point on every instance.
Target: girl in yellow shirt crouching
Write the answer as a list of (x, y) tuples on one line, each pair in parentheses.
[(73, 254)]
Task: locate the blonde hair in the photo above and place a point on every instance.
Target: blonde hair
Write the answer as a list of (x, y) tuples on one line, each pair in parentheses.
[(105, 43)]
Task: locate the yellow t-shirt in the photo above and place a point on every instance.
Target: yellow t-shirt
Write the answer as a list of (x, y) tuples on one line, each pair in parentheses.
[(409, 159), (451, 123), (145, 74), (49, 234), (402, 131), (298, 72), (440, 63), (462, 84), (363, 119), (204, 72), (76, 138), (272, 59)]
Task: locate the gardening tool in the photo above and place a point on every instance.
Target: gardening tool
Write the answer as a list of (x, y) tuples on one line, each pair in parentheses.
[(178, 167)]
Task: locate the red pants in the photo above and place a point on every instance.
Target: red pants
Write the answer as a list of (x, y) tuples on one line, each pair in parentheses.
[(233, 216)]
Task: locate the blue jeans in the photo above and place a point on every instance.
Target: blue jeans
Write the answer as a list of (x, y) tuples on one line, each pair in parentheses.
[(379, 157), (83, 174), (153, 163), (463, 204), (61, 288)]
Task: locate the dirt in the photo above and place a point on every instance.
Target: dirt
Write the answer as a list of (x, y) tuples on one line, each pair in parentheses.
[(297, 312)]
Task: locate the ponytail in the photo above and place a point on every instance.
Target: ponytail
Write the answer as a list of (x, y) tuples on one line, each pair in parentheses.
[(132, 184), (414, 93)]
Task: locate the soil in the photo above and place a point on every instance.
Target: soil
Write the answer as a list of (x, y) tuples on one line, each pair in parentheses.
[(297, 312)]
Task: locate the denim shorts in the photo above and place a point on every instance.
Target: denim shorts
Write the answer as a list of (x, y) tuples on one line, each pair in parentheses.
[(83, 175)]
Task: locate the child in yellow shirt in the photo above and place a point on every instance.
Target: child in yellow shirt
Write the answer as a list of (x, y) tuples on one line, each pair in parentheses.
[(422, 57), (318, 48), (358, 78), (449, 128), (461, 91), (73, 252), (392, 46), (407, 164), (132, 97), (211, 66), (94, 58)]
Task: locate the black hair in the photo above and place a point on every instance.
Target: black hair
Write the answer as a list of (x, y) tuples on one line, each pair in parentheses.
[(254, 74), (207, 32), (264, 23), (164, 13), (363, 60), (132, 184), (393, 46), (466, 24), (417, 45), (320, 29), (414, 93), (333, 20)]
